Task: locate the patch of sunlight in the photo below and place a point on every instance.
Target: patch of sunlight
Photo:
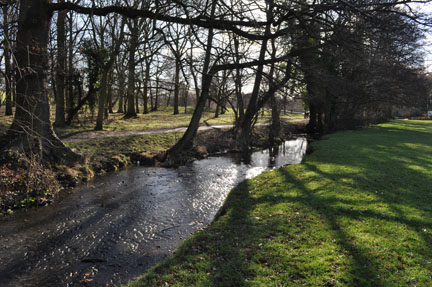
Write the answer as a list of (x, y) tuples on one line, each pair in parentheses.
[(410, 213), (334, 168), (425, 170)]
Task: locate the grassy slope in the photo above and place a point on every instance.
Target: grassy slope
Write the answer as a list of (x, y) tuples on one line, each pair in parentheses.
[(358, 212)]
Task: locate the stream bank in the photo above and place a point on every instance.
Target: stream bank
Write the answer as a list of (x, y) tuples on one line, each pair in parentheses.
[(113, 229), (25, 183)]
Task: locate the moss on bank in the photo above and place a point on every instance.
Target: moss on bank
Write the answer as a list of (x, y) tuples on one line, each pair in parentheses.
[(357, 212)]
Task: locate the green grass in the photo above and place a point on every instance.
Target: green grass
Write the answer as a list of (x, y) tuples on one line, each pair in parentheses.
[(101, 149), (357, 212), (161, 119)]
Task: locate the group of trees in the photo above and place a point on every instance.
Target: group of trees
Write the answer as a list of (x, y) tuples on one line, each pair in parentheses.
[(350, 61)]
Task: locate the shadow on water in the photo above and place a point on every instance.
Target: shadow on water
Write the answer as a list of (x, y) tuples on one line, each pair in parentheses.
[(119, 225)]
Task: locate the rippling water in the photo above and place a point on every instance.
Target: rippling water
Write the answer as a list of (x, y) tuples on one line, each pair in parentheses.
[(116, 227)]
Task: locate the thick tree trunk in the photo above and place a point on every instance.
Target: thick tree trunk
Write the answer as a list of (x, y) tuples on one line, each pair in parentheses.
[(312, 125), (60, 69), (31, 130)]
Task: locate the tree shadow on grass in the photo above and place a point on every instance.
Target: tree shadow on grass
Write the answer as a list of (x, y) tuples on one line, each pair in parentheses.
[(348, 226)]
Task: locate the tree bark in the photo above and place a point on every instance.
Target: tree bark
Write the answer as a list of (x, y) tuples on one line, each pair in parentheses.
[(102, 99), (7, 56), (187, 139), (133, 43), (145, 91), (238, 84), (252, 106), (70, 94), (121, 94), (31, 131), (60, 69), (275, 124), (176, 87), (107, 67), (110, 96)]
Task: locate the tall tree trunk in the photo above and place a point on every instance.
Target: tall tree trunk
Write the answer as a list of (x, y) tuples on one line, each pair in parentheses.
[(110, 96), (133, 43), (151, 100), (31, 130), (70, 95), (238, 85), (194, 76), (275, 123), (252, 106), (60, 69), (156, 103), (145, 91), (185, 98), (7, 56), (102, 99), (121, 94), (218, 97), (312, 125), (106, 70), (136, 104), (176, 86), (187, 139)]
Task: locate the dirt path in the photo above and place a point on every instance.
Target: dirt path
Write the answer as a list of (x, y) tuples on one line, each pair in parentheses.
[(90, 134)]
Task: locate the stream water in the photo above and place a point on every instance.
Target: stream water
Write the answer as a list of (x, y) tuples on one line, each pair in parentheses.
[(113, 229)]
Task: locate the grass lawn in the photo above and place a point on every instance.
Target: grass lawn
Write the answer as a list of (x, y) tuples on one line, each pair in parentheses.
[(161, 119), (357, 212)]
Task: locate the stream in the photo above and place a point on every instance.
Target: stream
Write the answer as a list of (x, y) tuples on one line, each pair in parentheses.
[(116, 227)]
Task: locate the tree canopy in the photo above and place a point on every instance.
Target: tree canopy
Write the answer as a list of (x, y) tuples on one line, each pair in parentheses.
[(351, 62)]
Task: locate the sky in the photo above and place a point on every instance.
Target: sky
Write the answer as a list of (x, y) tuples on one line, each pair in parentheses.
[(427, 8)]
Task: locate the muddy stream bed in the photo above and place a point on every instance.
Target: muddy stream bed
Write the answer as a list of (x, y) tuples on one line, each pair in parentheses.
[(113, 229)]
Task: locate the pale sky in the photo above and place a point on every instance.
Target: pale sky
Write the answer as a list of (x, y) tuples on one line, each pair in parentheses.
[(427, 8)]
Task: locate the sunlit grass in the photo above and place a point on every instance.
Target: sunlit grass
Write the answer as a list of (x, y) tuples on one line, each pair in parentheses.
[(357, 212), (163, 118)]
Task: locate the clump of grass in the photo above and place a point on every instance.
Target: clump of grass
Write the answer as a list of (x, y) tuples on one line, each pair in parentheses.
[(356, 213)]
